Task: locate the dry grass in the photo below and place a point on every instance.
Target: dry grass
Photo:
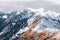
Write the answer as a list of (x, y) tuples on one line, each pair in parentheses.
[(44, 35)]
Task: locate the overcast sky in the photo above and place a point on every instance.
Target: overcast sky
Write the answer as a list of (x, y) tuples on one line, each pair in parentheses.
[(21, 4)]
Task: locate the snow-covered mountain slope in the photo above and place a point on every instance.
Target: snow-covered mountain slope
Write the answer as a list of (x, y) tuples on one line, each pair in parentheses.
[(46, 28), (17, 22), (49, 19)]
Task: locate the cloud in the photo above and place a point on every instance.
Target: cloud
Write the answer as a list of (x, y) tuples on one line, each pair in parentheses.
[(55, 1), (12, 0), (21, 4)]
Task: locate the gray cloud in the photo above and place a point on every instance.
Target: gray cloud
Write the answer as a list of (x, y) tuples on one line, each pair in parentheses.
[(18, 5)]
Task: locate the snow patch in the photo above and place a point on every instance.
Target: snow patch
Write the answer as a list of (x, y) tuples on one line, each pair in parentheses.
[(5, 16)]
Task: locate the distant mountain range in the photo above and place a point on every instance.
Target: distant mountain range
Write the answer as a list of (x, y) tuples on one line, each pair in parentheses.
[(14, 23)]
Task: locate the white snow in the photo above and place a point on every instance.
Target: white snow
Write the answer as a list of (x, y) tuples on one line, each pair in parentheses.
[(13, 23), (18, 12), (5, 16)]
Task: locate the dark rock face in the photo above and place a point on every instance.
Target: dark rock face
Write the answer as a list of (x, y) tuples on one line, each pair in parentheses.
[(11, 25)]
